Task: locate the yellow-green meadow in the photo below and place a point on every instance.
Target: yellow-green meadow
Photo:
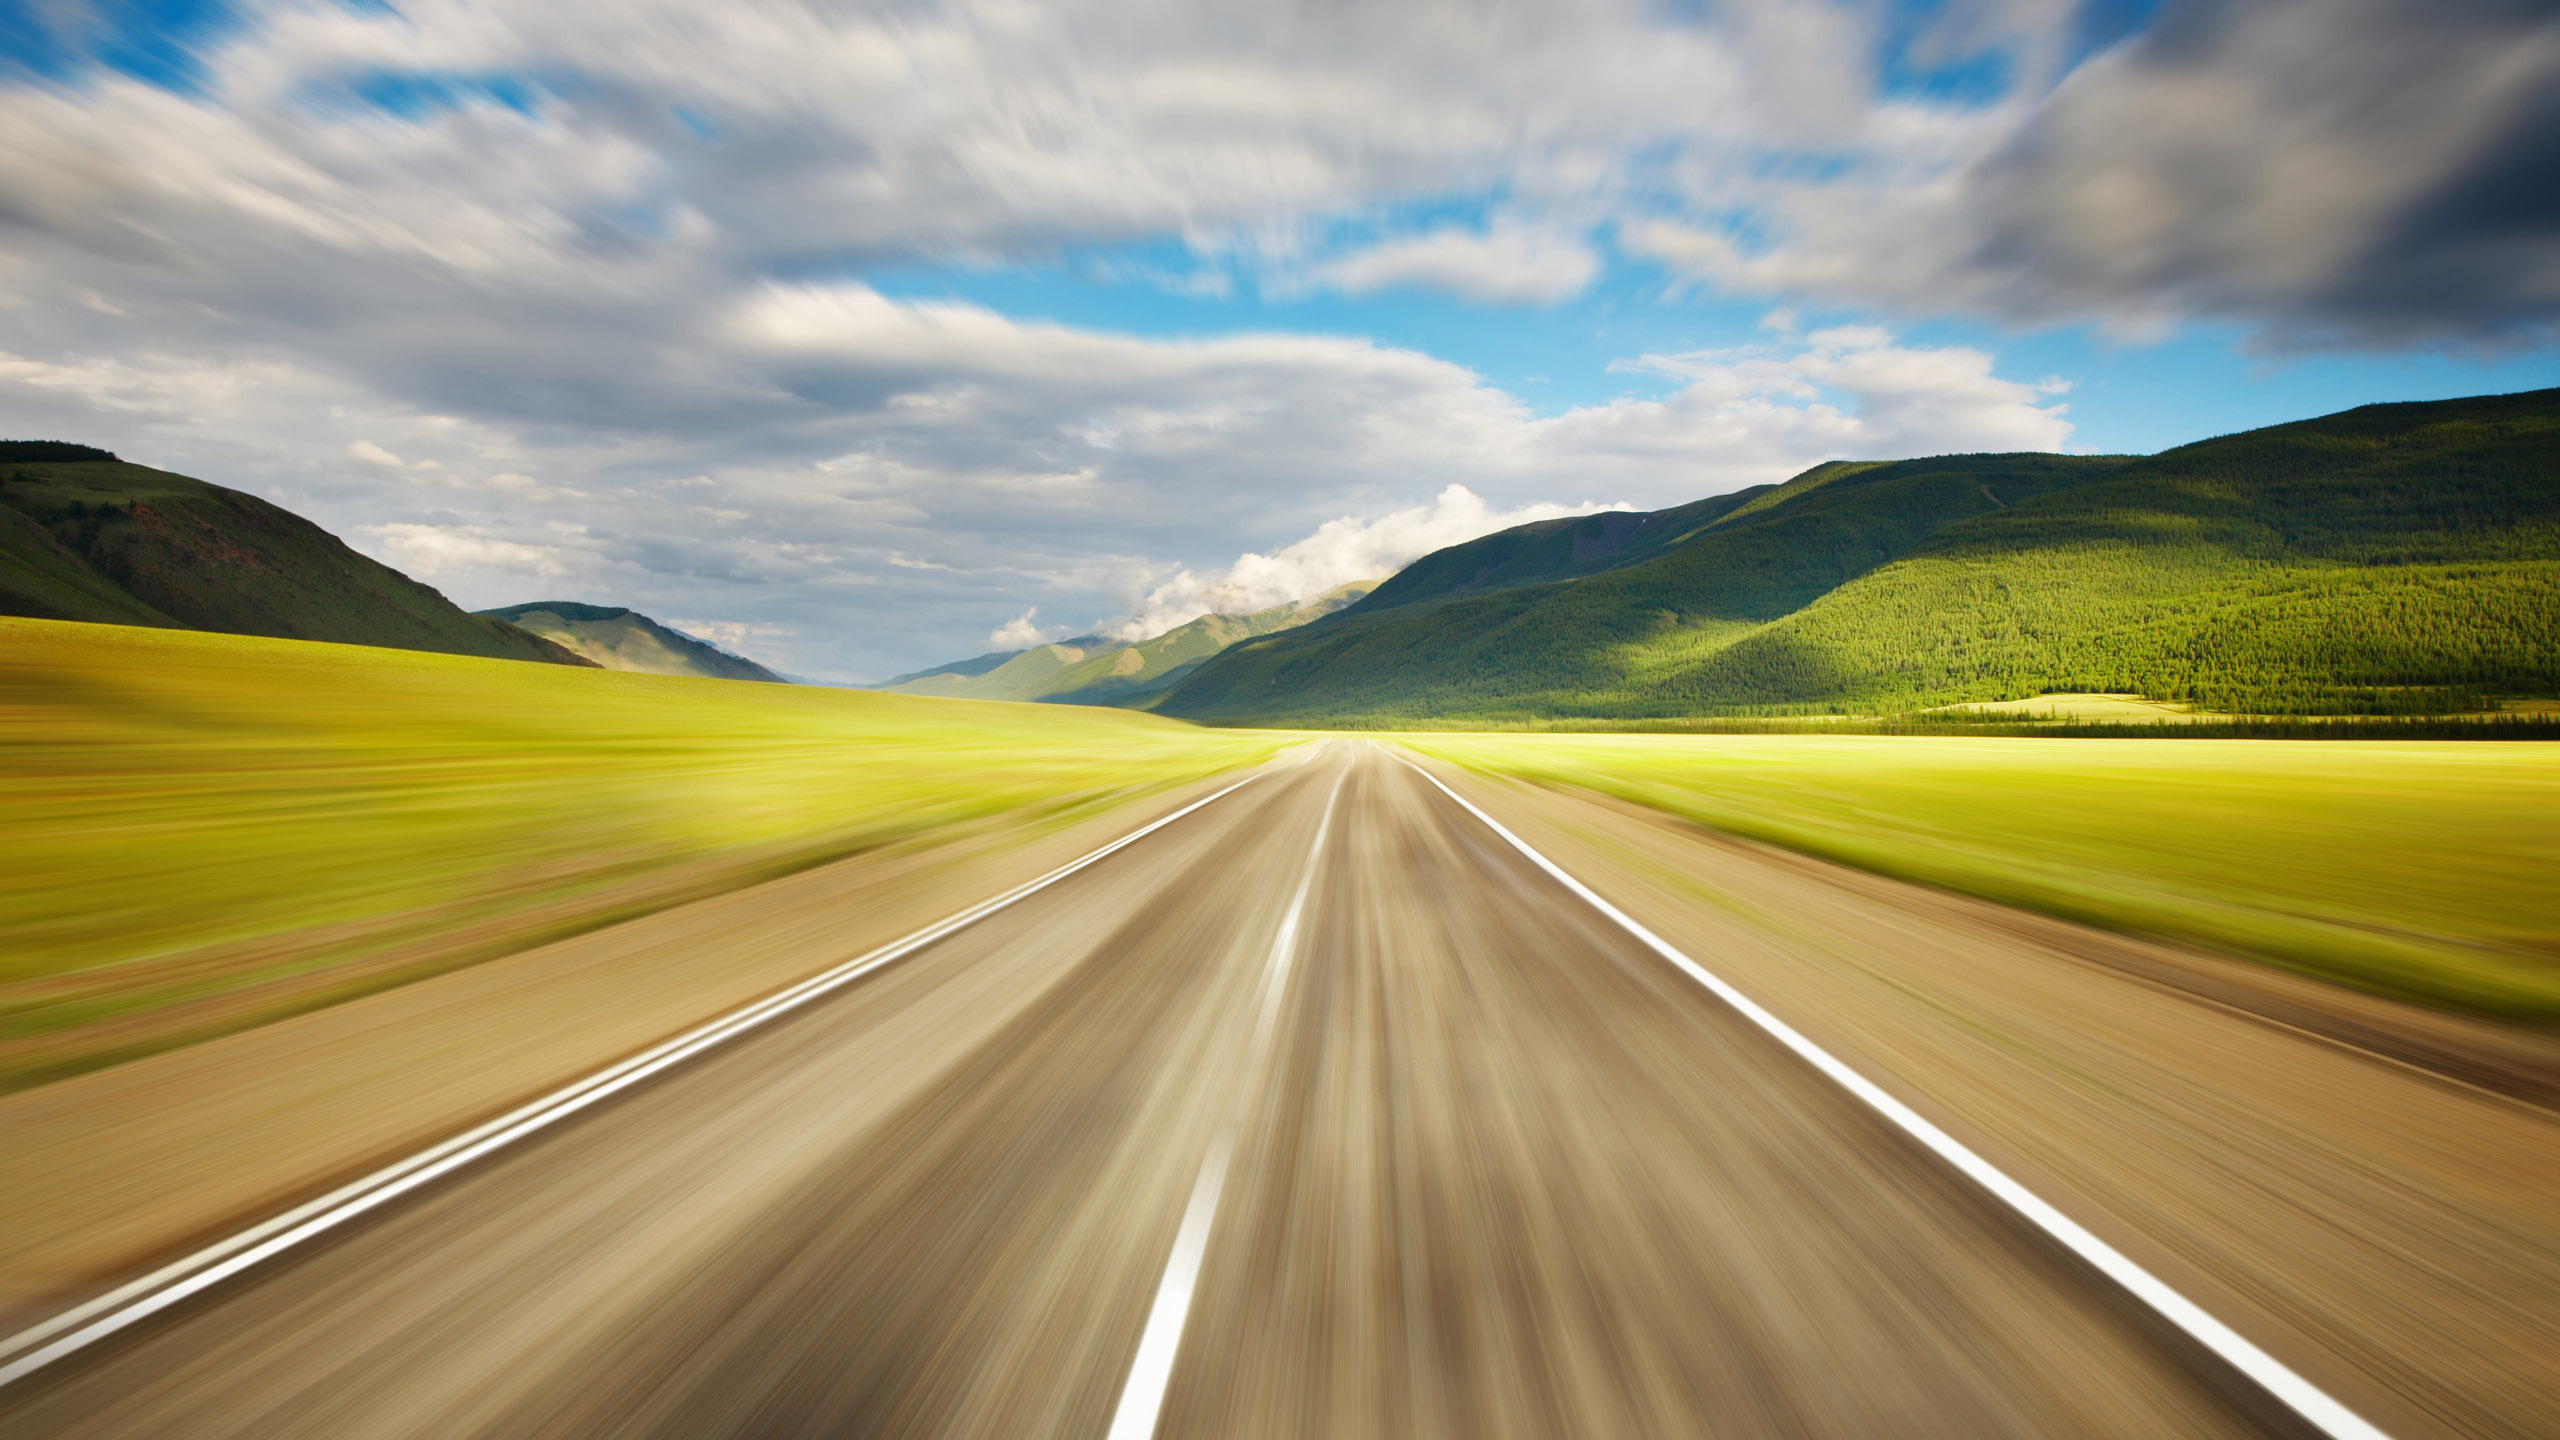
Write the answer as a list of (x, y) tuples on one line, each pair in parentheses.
[(208, 831), (2425, 869)]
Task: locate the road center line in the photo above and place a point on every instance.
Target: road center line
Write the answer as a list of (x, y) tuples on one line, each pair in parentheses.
[(85, 1324), (2306, 1399), (1142, 1394)]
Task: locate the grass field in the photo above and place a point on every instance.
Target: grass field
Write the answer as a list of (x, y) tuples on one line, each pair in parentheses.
[(205, 832), (2414, 868)]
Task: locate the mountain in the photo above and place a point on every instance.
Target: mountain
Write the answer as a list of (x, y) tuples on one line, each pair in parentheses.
[(1114, 676), (1016, 675), (85, 536), (1552, 550), (1090, 670), (2389, 559), (964, 669), (620, 639)]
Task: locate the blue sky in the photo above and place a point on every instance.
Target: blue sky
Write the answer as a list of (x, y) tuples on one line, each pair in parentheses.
[(2129, 395), (862, 336)]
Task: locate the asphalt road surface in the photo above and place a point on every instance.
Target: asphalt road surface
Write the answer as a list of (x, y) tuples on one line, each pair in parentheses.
[(1319, 1112)]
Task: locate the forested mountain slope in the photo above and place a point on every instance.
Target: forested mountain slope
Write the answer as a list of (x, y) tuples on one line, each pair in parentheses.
[(1545, 550), (2391, 559), (84, 536)]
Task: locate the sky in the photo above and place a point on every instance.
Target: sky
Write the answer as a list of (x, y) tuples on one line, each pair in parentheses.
[(860, 337)]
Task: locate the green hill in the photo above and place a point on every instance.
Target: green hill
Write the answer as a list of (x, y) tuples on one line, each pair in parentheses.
[(84, 536), (623, 639), (1089, 670), (1551, 550), (975, 665), (1115, 676), (2390, 559), (1021, 675)]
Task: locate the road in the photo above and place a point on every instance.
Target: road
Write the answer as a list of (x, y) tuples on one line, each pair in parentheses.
[(1464, 1157)]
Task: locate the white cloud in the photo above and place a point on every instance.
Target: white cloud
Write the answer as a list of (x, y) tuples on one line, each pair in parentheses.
[(1510, 263), (448, 553), (2332, 171), (1891, 400), (730, 635), (1341, 550), (365, 452), (876, 130), (1023, 631)]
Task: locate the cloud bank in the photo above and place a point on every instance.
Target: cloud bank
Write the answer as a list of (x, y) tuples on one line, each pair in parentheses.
[(970, 461), (2331, 172), (1507, 263)]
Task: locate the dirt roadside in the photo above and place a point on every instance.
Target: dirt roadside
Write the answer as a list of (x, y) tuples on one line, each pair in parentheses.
[(115, 1170), (2383, 1225)]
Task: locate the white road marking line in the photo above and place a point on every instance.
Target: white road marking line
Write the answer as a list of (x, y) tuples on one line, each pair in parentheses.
[(2306, 1399), (96, 1319), (1151, 1373)]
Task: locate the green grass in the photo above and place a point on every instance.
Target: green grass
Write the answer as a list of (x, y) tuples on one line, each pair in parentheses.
[(207, 831), (2418, 869)]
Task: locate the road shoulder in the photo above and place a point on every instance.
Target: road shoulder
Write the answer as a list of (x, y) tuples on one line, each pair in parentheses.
[(116, 1170), (2382, 1226)]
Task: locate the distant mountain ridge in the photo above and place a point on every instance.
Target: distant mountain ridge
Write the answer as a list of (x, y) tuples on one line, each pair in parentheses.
[(1548, 550), (975, 665), (1017, 675), (1089, 670), (85, 536), (619, 638), (2389, 559)]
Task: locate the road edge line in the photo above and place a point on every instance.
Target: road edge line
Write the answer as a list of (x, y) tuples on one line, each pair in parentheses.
[(2278, 1379), (97, 1318)]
